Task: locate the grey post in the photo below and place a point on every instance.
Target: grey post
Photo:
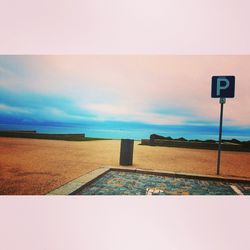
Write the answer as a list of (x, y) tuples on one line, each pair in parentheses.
[(126, 153), (222, 101)]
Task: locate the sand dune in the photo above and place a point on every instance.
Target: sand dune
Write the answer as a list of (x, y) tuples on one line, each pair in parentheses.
[(31, 166)]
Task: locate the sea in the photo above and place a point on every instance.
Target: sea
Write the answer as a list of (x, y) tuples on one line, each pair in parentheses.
[(121, 130)]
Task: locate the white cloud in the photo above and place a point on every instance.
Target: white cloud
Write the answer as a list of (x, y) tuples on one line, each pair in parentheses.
[(129, 113), (129, 86), (62, 114), (12, 109)]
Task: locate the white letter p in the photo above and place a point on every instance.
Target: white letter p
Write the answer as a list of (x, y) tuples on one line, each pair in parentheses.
[(219, 86)]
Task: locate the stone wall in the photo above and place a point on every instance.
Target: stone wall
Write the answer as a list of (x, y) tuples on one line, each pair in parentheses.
[(193, 144)]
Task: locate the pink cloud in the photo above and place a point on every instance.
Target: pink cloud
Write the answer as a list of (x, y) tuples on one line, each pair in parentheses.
[(139, 85), (126, 113)]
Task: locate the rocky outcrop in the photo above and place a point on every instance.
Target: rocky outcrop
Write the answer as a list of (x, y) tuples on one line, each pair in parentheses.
[(155, 136), (229, 145)]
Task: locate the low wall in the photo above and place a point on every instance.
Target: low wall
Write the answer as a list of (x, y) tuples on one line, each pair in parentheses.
[(195, 145), (67, 137)]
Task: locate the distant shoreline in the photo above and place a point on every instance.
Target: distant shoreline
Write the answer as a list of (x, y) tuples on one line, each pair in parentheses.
[(113, 130)]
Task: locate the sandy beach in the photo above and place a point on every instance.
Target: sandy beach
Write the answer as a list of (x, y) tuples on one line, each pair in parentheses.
[(31, 166)]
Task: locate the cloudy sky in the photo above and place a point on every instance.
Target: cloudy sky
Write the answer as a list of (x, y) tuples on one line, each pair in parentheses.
[(152, 89)]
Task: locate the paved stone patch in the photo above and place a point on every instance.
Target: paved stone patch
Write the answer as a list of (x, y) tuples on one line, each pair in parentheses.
[(245, 189), (135, 183)]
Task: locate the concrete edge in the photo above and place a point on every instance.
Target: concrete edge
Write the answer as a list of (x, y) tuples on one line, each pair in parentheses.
[(184, 175), (78, 183)]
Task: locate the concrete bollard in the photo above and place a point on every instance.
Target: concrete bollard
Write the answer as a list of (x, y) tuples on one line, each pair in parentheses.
[(126, 153)]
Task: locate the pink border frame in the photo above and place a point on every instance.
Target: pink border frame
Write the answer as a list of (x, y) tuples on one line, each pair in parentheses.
[(124, 27)]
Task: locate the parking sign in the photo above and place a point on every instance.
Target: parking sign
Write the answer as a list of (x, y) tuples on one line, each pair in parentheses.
[(223, 86)]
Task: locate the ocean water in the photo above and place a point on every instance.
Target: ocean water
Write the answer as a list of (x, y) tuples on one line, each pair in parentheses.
[(134, 131)]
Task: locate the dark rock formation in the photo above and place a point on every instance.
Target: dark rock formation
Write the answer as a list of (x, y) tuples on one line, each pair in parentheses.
[(160, 137)]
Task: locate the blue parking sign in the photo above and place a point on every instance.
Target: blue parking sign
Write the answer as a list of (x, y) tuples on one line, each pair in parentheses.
[(223, 86)]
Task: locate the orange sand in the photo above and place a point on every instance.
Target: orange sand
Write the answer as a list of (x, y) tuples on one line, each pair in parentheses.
[(31, 166)]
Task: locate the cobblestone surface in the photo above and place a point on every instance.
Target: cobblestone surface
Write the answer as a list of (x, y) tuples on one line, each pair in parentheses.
[(131, 183), (245, 189)]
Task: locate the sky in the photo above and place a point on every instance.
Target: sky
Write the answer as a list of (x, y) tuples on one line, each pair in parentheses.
[(147, 89)]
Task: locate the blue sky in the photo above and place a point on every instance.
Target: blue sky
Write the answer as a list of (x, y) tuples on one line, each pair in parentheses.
[(154, 90)]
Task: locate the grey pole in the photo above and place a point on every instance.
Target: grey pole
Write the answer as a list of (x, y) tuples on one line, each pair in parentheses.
[(222, 101)]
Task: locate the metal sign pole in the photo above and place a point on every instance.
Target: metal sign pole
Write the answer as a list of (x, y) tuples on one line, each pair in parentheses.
[(222, 101), (222, 87)]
